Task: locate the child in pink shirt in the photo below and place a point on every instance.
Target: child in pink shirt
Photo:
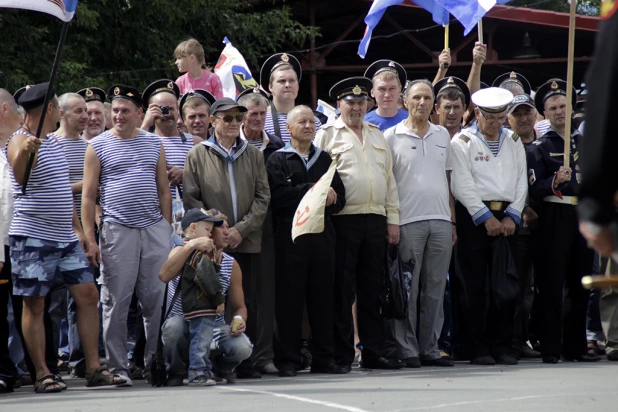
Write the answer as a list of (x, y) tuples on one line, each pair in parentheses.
[(190, 60)]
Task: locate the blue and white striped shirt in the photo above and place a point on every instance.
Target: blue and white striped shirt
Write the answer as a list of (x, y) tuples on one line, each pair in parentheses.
[(129, 195), (176, 153), (282, 118), (46, 210), (75, 152)]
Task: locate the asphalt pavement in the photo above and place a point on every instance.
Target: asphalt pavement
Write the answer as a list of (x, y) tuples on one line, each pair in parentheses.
[(529, 386)]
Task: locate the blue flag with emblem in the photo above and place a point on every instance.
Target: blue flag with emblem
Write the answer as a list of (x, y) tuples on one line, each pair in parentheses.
[(469, 12), (63, 9)]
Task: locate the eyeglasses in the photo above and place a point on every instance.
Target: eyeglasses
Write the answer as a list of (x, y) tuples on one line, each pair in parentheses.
[(229, 118), (493, 119)]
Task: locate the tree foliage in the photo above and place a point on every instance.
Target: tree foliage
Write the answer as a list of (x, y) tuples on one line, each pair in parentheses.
[(133, 41), (585, 7)]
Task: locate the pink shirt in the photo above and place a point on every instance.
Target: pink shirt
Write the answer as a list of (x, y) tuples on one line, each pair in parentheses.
[(209, 82)]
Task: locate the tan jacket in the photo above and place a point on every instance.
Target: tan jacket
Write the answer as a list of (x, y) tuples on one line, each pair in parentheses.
[(366, 169), (206, 184)]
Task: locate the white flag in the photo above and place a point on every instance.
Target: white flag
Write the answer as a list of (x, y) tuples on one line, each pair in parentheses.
[(309, 217), (63, 9), (327, 110), (233, 71)]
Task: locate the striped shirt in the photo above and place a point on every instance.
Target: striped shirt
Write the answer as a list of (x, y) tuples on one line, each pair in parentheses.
[(46, 210), (225, 277), (176, 153), (128, 182), (75, 152), (494, 146), (283, 117)]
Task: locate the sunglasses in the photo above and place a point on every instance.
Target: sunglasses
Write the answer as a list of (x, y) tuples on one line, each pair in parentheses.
[(229, 118)]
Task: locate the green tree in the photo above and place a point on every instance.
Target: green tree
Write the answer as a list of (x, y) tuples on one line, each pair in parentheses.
[(133, 41), (585, 7)]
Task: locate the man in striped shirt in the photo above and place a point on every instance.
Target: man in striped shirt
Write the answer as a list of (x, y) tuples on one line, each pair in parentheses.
[(129, 164), (95, 98), (44, 242)]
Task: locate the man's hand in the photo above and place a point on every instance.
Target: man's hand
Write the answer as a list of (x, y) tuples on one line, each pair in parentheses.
[(509, 226), (234, 238), (331, 198), (479, 53), (241, 329), (530, 218), (77, 187), (204, 244), (444, 59), (493, 226), (93, 253), (153, 113), (174, 175), (601, 241), (563, 175), (220, 308), (30, 145), (392, 234), (454, 235)]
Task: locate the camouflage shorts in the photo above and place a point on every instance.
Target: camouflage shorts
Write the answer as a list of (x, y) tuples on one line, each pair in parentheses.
[(37, 263)]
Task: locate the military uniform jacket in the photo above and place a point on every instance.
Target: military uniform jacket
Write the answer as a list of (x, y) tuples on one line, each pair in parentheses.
[(478, 176), (366, 169), (290, 177), (545, 156)]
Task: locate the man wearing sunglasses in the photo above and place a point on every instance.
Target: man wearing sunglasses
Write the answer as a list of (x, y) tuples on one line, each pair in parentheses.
[(226, 173), (490, 184)]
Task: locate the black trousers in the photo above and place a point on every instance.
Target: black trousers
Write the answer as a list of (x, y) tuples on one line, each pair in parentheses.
[(8, 371), (361, 256), (305, 273), (523, 304), (565, 259), (490, 327)]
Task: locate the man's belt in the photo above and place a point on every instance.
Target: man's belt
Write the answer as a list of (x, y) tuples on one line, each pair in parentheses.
[(497, 206), (566, 200)]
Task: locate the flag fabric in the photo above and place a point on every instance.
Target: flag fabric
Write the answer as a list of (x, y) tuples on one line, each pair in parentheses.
[(63, 9), (378, 7), (309, 216), (327, 110), (469, 12), (233, 71)]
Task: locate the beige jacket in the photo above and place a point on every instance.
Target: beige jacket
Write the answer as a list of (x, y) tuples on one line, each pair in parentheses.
[(236, 185), (366, 169)]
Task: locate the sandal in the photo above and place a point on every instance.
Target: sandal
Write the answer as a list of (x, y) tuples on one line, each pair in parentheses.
[(98, 378), (592, 348), (40, 386), (60, 382)]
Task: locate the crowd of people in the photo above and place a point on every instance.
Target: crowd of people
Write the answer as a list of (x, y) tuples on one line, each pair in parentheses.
[(159, 223)]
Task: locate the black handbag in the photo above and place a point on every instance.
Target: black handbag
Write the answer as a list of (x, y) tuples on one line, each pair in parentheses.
[(504, 283), (397, 284), (158, 373)]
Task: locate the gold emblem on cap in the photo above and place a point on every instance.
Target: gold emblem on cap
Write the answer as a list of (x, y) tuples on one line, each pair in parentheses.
[(450, 80), (513, 75), (285, 58), (89, 93), (27, 87), (357, 90), (116, 91), (256, 90), (170, 85), (392, 64), (554, 85), (130, 94)]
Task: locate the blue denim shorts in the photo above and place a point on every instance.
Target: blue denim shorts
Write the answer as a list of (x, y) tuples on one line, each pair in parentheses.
[(37, 263)]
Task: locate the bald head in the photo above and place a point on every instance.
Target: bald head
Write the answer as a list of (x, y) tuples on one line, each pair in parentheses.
[(301, 125), (6, 97), (10, 119), (298, 111)]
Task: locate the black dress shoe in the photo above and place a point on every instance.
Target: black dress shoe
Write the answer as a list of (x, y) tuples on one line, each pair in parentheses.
[(287, 372), (612, 355), (581, 358), (506, 360), (332, 368), (483, 360), (381, 363), (248, 374), (550, 359), (528, 353), (412, 362), (443, 361)]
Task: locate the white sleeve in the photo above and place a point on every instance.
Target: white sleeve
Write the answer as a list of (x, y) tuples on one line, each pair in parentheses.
[(462, 182), (521, 188)]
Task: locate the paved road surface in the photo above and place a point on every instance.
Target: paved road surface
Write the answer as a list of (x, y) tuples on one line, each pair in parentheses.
[(530, 386)]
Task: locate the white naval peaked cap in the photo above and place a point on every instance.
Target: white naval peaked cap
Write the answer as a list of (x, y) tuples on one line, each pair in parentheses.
[(492, 99)]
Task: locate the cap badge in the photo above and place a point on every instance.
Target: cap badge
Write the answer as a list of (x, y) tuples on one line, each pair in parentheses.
[(285, 58), (357, 90), (89, 93), (392, 64), (170, 85), (554, 85), (450, 80), (27, 87), (116, 91), (513, 75), (256, 90), (130, 94)]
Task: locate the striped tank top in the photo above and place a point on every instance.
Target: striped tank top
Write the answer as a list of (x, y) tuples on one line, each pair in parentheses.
[(75, 152), (282, 118), (176, 153), (46, 210), (225, 277), (128, 183)]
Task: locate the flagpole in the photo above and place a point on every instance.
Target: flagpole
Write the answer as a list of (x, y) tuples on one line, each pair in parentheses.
[(48, 97), (569, 90), (446, 41), (480, 30)]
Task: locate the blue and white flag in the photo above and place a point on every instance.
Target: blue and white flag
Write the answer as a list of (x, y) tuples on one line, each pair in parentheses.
[(469, 12), (378, 7), (63, 9)]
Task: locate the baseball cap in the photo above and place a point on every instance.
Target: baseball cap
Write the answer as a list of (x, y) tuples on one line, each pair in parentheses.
[(519, 100), (198, 215), (225, 103)]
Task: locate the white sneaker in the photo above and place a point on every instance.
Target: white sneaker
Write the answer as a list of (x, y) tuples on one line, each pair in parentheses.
[(127, 384)]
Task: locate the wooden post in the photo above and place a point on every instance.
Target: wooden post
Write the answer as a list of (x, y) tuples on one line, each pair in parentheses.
[(480, 30), (446, 39), (569, 90)]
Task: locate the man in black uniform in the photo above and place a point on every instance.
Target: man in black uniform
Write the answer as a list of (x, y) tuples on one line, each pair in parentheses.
[(305, 268), (565, 258), (597, 206)]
